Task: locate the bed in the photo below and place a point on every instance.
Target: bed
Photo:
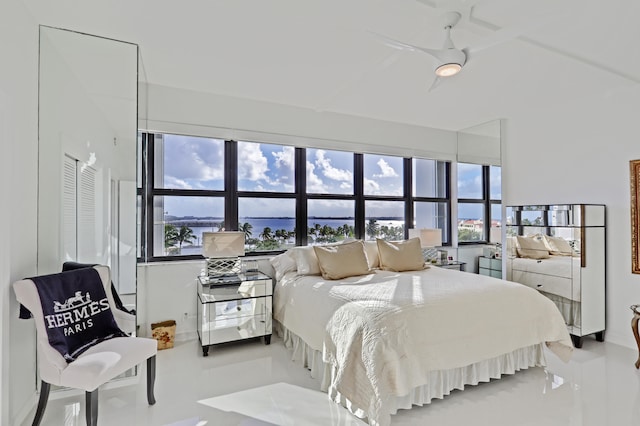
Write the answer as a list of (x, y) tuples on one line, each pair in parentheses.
[(387, 340)]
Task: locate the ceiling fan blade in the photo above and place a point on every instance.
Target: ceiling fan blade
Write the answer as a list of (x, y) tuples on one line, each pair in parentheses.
[(436, 82), (503, 35), (397, 44)]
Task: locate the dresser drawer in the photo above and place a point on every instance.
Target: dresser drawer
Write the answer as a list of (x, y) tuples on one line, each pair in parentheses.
[(238, 328), (548, 283)]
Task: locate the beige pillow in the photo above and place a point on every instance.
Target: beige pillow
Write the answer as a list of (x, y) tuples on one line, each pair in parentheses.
[(341, 261), (558, 246), (371, 250), (400, 256), (306, 260), (532, 248)]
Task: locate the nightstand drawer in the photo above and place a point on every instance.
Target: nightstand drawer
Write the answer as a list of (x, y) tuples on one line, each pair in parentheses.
[(246, 289), (236, 308), (230, 329), (489, 263)]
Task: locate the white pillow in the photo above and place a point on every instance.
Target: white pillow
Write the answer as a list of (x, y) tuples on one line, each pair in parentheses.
[(532, 247), (306, 260), (342, 261), (282, 264), (558, 246), (400, 256)]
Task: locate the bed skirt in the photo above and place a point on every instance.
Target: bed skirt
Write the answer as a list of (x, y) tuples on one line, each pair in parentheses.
[(438, 385)]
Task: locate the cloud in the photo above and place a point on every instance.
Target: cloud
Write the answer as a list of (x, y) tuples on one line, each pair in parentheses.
[(371, 187), (285, 158), (252, 164), (173, 182), (329, 171), (314, 183), (192, 159), (386, 169), (345, 185)]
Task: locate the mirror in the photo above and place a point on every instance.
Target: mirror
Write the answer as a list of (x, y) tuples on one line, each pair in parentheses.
[(87, 154), (480, 146)]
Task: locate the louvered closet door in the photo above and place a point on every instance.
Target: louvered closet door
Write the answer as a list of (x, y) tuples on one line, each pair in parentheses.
[(88, 251), (69, 209), (79, 211)]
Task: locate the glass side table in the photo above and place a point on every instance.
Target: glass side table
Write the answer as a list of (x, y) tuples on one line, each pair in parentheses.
[(452, 264)]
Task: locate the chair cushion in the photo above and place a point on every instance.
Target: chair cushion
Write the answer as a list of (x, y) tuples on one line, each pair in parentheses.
[(106, 360)]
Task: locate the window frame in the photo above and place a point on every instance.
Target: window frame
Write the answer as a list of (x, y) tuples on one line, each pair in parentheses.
[(147, 191)]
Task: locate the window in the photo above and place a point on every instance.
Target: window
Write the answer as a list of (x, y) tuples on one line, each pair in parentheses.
[(279, 195), (479, 202)]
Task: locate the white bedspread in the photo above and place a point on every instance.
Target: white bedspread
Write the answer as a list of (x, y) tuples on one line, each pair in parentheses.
[(384, 332)]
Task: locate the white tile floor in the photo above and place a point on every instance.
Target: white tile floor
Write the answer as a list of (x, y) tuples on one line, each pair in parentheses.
[(252, 384)]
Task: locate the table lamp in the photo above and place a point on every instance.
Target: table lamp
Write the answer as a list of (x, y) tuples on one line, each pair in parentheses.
[(222, 251), (429, 239)]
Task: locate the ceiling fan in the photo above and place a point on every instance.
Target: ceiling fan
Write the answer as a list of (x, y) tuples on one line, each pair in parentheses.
[(449, 59)]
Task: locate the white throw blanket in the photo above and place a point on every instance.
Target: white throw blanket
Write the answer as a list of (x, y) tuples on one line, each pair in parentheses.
[(384, 332)]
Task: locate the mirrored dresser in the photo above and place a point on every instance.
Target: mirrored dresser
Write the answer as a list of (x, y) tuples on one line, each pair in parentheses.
[(234, 307), (559, 250)]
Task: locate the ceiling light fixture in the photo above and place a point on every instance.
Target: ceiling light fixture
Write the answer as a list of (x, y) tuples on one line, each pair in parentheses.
[(447, 70)]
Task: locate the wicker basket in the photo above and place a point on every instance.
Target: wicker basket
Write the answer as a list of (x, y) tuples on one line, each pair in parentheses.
[(165, 333)]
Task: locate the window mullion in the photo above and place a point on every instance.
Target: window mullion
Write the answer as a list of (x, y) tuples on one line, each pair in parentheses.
[(231, 185), (358, 191), (300, 177)]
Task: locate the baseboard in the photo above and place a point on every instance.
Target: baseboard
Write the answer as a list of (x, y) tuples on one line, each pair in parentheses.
[(626, 340)]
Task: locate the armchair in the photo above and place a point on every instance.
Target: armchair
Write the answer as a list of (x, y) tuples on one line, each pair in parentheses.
[(93, 367)]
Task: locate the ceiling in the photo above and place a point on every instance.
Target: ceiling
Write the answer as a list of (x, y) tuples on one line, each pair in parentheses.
[(321, 55)]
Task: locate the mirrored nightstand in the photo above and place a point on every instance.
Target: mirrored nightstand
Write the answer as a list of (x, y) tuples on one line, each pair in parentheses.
[(234, 307)]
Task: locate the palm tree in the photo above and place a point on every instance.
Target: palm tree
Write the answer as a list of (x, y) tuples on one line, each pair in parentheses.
[(266, 234), (170, 235), (185, 235), (372, 228), (246, 228)]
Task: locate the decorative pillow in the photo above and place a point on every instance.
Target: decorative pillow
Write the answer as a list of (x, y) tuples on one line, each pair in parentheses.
[(400, 256), (371, 250), (558, 246), (341, 261), (306, 261), (532, 248), (283, 263)]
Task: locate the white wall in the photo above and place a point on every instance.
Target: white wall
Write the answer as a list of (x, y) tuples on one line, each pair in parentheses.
[(18, 180), (187, 112), (579, 153)]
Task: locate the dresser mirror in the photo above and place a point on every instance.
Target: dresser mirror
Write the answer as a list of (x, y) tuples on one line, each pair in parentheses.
[(559, 250), (87, 154)]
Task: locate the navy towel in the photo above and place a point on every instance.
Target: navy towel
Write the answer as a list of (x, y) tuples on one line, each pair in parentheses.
[(77, 314)]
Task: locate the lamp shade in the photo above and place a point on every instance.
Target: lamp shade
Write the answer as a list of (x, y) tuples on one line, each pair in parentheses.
[(223, 244), (429, 237), (495, 235)]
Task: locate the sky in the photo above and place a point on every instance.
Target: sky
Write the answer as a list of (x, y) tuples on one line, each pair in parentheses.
[(198, 163)]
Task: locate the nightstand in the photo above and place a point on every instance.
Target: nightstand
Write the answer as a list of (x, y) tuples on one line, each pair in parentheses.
[(234, 307), (452, 264), (490, 266)]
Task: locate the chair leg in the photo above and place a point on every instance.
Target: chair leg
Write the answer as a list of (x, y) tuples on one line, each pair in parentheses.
[(151, 379), (91, 409), (42, 402)]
